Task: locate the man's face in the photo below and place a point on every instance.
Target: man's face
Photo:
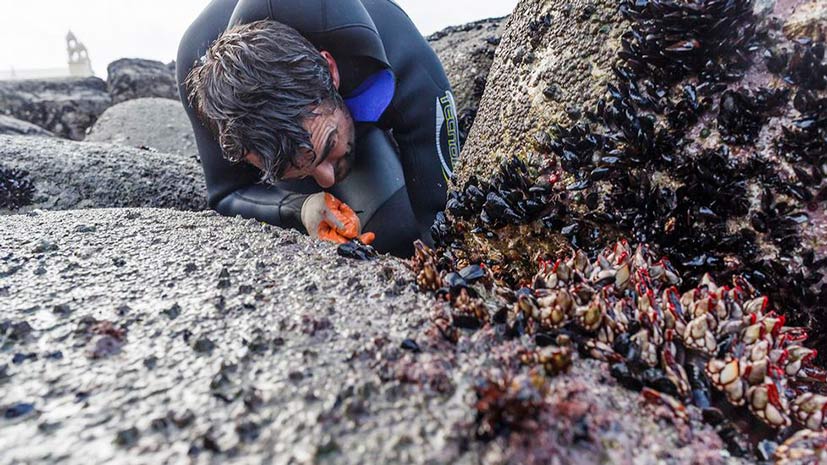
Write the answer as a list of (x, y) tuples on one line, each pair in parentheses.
[(334, 141), (333, 137)]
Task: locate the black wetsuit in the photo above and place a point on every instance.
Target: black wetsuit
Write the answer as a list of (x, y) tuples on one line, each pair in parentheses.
[(406, 145)]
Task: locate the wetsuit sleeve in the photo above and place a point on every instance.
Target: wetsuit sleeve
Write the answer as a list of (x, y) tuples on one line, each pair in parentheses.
[(232, 188), (422, 114)]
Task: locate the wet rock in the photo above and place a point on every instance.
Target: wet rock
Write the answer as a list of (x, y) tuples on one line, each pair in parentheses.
[(14, 127), (573, 53), (66, 107), (64, 175), (308, 415), (132, 78), (157, 123)]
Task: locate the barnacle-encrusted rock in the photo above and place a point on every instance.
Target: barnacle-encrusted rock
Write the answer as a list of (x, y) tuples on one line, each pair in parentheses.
[(311, 357), (629, 308), (695, 126), (554, 61), (66, 107), (70, 175)]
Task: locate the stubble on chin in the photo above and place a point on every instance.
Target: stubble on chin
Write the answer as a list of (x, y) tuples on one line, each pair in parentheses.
[(343, 167)]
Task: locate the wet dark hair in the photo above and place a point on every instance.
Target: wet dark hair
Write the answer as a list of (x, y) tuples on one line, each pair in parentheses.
[(254, 88)]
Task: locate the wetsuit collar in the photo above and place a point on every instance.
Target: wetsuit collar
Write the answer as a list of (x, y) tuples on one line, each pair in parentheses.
[(369, 101)]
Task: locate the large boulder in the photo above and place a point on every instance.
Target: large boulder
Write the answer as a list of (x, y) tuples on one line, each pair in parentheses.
[(554, 58), (66, 107), (157, 123), (131, 78), (697, 129), (466, 53), (14, 127), (154, 336), (55, 174)]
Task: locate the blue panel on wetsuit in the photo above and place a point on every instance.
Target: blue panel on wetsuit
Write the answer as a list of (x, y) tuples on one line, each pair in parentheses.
[(372, 97)]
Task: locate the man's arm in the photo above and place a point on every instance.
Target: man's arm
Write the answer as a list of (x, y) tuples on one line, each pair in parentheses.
[(422, 114)]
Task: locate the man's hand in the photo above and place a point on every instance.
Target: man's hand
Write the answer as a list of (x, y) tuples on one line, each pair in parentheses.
[(330, 219)]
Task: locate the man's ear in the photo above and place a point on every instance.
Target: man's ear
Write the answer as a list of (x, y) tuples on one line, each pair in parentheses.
[(334, 68), (255, 160)]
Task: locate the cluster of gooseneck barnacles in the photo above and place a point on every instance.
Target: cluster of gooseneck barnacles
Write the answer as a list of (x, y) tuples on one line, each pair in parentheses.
[(679, 154), (625, 308)]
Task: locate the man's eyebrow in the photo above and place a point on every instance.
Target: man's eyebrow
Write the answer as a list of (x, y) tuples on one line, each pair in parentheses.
[(328, 146)]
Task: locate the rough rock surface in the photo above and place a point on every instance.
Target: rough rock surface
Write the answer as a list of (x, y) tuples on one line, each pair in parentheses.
[(808, 20), (157, 123), (131, 78), (69, 175), (142, 335), (66, 107), (14, 127), (554, 58), (467, 53)]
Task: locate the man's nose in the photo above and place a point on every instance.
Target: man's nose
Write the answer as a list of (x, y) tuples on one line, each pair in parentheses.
[(325, 175)]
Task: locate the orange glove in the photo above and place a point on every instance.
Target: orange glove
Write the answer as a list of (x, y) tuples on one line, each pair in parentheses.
[(330, 219)]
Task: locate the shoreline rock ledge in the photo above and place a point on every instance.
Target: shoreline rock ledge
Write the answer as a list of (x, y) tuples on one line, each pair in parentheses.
[(146, 335)]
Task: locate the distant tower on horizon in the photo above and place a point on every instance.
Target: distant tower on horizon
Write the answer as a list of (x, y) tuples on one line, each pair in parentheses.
[(79, 63)]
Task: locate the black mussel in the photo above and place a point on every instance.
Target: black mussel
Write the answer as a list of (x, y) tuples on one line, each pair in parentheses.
[(657, 380), (356, 250), (545, 339), (624, 376), (452, 280), (467, 322), (500, 316), (410, 345), (472, 273)]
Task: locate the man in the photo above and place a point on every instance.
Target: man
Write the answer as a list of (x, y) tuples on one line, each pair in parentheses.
[(292, 98)]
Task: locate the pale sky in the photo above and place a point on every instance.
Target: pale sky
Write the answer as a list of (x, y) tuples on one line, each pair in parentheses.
[(32, 33)]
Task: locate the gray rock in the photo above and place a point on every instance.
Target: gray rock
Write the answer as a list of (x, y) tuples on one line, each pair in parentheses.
[(158, 123), (14, 127), (538, 74), (131, 78), (66, 107), (67, 175), (292, 377), (466, 53)]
